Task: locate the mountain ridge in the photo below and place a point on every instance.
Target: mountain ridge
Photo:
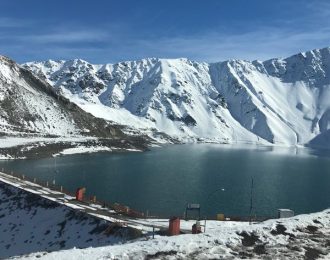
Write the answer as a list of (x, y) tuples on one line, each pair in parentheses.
[(37, 121), (17, 79), (281, 101)]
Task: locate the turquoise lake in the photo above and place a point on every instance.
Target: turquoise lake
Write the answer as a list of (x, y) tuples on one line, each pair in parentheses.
[(218, 177)]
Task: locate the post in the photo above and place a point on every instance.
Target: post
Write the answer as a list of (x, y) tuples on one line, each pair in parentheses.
[(251, 201), (213, 192), (153, 232)]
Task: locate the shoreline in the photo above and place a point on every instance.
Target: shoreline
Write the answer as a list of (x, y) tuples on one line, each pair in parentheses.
[(18, 148)]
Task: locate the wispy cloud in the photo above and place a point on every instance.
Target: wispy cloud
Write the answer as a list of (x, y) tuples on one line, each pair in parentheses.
[(115, 42), (290, 35), (102, 46), (6, 22), (264, 43), (65, 36)]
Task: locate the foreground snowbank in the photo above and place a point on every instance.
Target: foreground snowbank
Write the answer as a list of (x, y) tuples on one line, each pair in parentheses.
[(304, 236)]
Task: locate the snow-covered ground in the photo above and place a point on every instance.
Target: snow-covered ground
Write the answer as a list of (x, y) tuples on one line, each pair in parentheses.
[(84, 149), (12, 141), (300, 237), (12, 147)]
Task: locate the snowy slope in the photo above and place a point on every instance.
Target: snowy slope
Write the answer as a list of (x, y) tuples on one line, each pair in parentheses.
[(32, 111), (172, 96), (287, 99), (300, 237), (30, 223), (282, 101), (24, 107), (31, 106)]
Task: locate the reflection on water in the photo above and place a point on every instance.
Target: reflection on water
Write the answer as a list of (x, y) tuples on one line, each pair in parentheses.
[(164, 179)]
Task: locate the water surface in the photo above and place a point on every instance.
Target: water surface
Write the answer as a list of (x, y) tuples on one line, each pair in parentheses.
[(165, 179)]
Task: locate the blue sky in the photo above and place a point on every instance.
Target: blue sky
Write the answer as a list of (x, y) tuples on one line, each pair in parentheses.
[(205, 30)]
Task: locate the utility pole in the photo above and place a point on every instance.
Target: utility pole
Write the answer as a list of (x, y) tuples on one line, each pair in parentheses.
[(251, 201)]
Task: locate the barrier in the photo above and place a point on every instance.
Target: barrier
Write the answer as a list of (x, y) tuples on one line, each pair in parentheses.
[(118, 208)]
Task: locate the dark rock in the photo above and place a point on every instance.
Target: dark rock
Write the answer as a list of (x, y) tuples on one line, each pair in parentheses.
[(312, 229), (260, 249), (249, 239), (312, 253)]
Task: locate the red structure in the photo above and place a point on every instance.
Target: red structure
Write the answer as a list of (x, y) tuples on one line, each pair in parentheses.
[(174, 226), (196, 229), (80, 194)]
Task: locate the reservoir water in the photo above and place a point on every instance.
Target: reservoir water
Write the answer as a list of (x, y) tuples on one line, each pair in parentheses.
[(218, 177)]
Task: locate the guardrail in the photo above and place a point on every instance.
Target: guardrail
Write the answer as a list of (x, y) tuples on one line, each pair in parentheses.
[(116, 207), (119, 208)]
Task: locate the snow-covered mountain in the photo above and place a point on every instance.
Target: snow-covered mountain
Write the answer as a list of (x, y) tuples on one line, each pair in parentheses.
[(29, 105), (282, 101)]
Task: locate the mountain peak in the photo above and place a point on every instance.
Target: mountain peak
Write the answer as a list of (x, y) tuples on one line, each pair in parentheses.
[(7, 61)]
